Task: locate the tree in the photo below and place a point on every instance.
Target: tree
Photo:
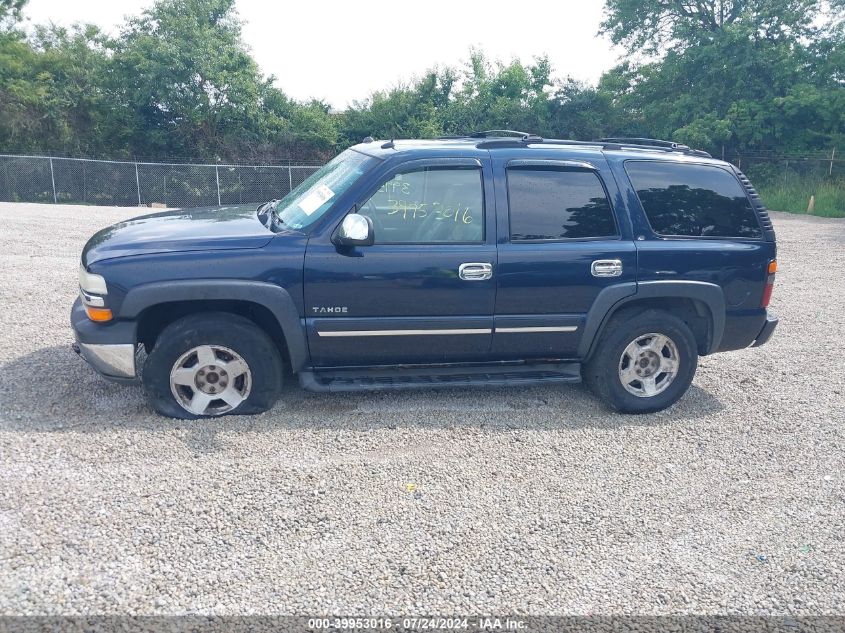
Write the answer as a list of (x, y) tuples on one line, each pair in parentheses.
[(733, 74), (10, 11), (495, 95), (184, 73), (654, 24)]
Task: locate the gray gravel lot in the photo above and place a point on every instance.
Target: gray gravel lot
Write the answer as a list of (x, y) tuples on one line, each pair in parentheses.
[(532, 500)]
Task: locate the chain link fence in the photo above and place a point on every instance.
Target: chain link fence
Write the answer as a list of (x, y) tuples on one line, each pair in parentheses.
[(772, 168), (799, 183), (786, 182), (119, 183)]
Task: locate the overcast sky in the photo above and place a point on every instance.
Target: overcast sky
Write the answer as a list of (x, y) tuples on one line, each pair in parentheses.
[(340, 50)]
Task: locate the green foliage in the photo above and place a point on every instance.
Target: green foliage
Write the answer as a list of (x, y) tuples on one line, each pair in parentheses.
[(177, 83), (654, 24), (189, 66), (10, 11), (732, 76), (735, 75), (794, 196)]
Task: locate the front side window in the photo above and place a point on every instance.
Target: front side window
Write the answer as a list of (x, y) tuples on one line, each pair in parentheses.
[(692, 200), (428, 206), (557, 204), (307, 203)]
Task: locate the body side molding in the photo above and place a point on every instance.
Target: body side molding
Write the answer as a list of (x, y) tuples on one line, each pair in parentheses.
[(274, 298)]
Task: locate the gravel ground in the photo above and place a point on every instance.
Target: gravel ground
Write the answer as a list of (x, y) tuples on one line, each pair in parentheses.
[(532, 500)]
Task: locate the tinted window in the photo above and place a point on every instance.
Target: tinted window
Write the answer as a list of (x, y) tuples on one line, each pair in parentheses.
[(553, 204), (428, 206), (693, 200)]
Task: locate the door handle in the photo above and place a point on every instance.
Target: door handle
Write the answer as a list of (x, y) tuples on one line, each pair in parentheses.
[(475, 271), (606, 268)]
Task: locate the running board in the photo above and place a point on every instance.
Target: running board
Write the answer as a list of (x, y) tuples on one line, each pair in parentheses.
[(378, 379)]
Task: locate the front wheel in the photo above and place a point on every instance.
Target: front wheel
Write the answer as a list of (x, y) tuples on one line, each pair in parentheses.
[(207, 365), (645, 361)]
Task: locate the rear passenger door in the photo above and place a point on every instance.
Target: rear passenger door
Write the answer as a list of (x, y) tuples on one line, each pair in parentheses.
[(563, 238)]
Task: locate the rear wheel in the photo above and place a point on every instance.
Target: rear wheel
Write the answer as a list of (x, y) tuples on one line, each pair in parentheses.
[(207, 365), (645, 361)]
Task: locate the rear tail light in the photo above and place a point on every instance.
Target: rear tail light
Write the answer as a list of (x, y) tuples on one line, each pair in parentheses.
[(770, 283)]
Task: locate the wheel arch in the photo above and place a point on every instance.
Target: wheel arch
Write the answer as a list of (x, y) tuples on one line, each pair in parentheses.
[(700, 304), (271, 307)]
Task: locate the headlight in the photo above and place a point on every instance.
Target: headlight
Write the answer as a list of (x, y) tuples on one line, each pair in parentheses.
[(89, 282), (92, 289)]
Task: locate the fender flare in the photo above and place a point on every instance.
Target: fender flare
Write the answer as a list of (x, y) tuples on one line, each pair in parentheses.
[(612, 298), (275, 298)]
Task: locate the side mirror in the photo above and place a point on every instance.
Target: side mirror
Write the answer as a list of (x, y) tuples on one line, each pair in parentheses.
[(355, 230)]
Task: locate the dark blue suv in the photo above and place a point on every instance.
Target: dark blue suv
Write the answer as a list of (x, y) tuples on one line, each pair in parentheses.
[(490, 259)]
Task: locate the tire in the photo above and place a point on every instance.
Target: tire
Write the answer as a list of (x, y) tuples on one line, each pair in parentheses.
[(626, 356), (221, 358)]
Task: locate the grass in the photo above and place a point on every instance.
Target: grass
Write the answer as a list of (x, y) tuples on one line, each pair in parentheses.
[(794, 197)]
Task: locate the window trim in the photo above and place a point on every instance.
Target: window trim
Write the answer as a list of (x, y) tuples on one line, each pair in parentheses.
[(670, 236), (560, 166), (563, 165), (422, 164)]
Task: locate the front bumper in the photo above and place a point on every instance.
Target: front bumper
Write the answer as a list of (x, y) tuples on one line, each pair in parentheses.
[(767, 330), (108, 348)]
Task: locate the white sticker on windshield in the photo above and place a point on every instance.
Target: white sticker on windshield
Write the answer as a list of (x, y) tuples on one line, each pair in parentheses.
[(316, 199)]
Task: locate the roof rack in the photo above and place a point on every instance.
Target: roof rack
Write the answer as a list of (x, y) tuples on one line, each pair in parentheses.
[(527, 139), (633, 140), (514, 138), (501, 134), (654, 143)]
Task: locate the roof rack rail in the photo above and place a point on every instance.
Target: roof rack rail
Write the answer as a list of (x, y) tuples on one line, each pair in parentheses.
[(512, 138), (501, 134), (654, 143), (508, 142), (529, 139), (633, 140), (565, 141)]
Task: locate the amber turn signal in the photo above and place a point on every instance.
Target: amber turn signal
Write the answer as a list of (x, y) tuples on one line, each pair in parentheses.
[(773, 267), (98, 314)]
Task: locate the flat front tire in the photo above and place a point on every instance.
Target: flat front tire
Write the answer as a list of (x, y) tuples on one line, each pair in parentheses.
[(213, 364), (645, 361)]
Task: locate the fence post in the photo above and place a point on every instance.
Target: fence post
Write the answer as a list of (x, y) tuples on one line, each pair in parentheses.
[(53, 180), (290, 179), (138, 184), (832, 154), (217, 178)]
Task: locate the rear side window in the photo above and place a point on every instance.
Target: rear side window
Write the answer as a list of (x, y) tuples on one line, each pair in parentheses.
[(693, 200), (555, 204)]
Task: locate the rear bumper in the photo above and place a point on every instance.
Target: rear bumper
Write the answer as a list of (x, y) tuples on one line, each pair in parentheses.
[(767, 330), (108, 348)]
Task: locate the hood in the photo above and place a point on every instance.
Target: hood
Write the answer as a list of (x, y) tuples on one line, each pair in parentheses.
[(211, 228)]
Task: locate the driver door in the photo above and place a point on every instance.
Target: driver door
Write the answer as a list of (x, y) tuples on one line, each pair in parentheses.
[(424, 291)]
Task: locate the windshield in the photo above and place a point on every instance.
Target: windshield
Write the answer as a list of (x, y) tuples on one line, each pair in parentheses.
[(307, 203)]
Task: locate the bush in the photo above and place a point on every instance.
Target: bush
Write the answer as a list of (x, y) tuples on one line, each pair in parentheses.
[(794, 196)]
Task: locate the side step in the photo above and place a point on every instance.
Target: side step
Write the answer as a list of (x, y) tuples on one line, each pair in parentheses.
[(373, 379)]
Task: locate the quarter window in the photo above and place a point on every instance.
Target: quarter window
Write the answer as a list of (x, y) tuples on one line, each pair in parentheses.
[(554, 204), (693, 200), (428, 206)]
